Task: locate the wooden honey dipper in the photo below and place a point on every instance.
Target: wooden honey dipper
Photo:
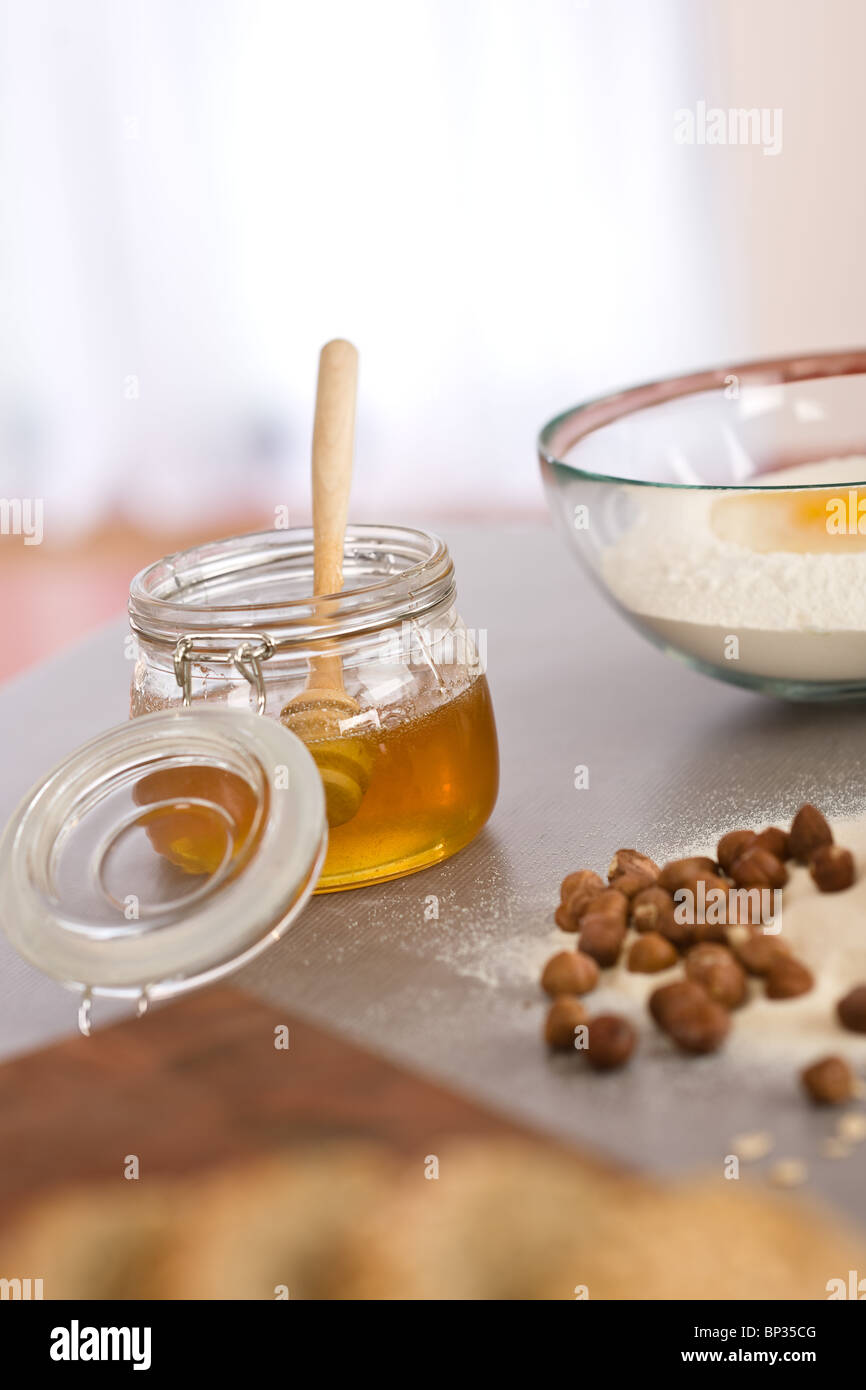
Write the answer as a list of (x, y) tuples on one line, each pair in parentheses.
[(317, 713)]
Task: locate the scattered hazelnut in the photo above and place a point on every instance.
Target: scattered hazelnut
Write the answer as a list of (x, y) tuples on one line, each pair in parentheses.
[(611, 906), (757, 954), (731, 846), (679, 934), (851, 1011), (707, 931), (681, 873), (694, 898), (714, 967), (832, 868), (699, 1027), (652, 909), (564, 1016), (758, 868), (564, 920), (630, 871), (569, 972), (650, 953), (665, 1001), (611, 1041), (777, 841), (685, 1011), (578, 881), (690, 883), (809, 830), (829, 1082), (578, 891), (787, 978), (602, 939)]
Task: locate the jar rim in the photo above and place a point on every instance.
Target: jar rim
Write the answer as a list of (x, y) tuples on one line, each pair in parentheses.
[(419, 580)]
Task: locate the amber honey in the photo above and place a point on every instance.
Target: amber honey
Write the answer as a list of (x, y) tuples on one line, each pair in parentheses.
[(433, 783), (433, 779)]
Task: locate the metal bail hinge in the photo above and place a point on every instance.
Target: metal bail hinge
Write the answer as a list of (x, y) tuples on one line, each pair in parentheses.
[(247, 658)]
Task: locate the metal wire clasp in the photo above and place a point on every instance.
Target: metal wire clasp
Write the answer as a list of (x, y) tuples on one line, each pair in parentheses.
[(247, 657)]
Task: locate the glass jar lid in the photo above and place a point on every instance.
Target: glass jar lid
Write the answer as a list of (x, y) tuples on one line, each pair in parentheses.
[(163, 853)]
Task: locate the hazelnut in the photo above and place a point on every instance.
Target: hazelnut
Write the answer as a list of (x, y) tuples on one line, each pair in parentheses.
[(699, 1027), (630, 871), (714, 967), (602, 939), (699, 896), (685, 1011), (777, 841), (809, 830), (681, 873), (579, 881), (708, 931), (611, 906), (578, 890), (851, 1010), (758, 868), (730, 846), (611, 1041), (665, 1001), (564, 920), (651, 952), (829, 1082), (564, 1017), (569, 972), (679, 934), (652, 909), (832, 868), (787, 978), (758, 952)]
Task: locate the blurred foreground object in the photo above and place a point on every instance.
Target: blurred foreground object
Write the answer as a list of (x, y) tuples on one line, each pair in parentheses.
[(309, 1168)]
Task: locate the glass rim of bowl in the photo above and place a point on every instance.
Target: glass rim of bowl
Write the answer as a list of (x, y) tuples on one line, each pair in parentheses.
[(424, 584), (570, 426)]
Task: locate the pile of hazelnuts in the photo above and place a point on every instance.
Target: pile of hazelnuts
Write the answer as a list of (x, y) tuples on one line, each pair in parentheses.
[(717, 957)]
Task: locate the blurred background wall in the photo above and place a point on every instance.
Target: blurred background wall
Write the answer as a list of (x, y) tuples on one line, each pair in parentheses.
[(487, 196)]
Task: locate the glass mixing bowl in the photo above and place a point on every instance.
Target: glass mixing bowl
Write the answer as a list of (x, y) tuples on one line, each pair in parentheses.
[(724, 514)]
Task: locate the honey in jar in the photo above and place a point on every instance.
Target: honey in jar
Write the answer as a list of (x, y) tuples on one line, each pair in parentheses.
[(419, 760)]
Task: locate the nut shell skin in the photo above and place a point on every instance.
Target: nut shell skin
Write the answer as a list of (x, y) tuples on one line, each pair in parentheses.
[(788, 978), (612, 1041), (650, 953), (809, 830), (777, 841), (758, 868), (851, 1010), (569, 972), (602, 939), (565, 1014), (701, 1028), (832, 869), (732, 845), (757, 954), (579, 881), (718, 971), (829, 1081), (681, 873)]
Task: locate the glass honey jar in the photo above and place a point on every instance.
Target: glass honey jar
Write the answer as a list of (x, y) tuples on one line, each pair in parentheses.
[(409, 758)]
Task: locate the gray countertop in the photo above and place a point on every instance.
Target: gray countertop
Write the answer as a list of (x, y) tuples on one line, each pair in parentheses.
[(673, 758)]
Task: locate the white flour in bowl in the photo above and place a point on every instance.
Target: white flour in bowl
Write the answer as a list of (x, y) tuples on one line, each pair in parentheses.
[(697, 570)]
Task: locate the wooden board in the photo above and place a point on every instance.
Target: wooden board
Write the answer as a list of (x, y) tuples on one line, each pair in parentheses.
[(199, 1082)]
